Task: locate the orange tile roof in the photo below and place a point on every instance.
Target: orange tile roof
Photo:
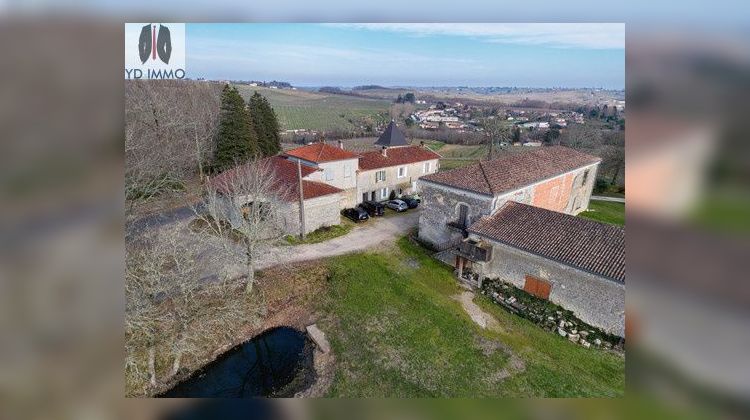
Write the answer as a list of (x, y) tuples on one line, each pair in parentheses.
[(395, 156), (287, 183), (511, 172), (591, 246), (320, 152)]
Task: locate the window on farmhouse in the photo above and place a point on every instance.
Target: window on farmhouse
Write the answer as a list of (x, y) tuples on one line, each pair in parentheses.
[(347, 171), (426, 167), (329, 175), (402, 172), (585, 177), (380, 176), (383, 193)]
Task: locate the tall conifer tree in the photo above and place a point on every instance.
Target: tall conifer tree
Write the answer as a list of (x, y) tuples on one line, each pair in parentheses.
[(266, 125), (237, 140)]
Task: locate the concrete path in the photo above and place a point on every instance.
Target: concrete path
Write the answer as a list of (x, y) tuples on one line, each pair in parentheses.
[(603, 198), (480, 317), (363, 237)]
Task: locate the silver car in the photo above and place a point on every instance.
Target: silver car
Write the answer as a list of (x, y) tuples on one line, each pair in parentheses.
[(397, 205)]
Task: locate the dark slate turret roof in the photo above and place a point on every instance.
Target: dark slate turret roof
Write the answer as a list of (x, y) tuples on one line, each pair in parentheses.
[(392, 137)]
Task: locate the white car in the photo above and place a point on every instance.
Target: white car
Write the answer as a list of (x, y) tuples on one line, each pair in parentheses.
[(397, 205)]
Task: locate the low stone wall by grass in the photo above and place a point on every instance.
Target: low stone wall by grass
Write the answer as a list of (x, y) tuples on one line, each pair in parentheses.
[(549, 316)]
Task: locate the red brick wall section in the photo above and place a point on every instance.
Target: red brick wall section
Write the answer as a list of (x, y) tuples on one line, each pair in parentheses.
[(554, 194)]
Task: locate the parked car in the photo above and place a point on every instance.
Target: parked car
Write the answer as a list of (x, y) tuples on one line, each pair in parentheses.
[(357, 214), (373, 208), (411, 202), (415, 196), (397, 205)]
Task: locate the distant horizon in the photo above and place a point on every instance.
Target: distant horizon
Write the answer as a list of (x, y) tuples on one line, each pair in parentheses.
[(534, 56), (419, 86)]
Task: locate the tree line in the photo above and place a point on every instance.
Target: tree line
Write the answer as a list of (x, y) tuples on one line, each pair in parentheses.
[(177, 129), (246, 129)]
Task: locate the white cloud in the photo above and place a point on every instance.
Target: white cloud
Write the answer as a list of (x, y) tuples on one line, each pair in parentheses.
[(561, 35)]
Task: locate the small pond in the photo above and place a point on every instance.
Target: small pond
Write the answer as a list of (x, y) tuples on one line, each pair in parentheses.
[(277, 363)]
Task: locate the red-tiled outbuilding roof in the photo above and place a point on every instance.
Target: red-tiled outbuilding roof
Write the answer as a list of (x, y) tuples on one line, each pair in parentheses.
[(585, 244), (320, 152), (514, 171), (287, 184), (395, 156)]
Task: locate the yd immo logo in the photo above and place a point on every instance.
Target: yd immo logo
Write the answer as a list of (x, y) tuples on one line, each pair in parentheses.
[(149, 44), (154, 50)]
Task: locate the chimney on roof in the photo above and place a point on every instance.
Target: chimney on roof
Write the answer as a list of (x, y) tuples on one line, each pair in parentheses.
[(384, 151), (341, 144)]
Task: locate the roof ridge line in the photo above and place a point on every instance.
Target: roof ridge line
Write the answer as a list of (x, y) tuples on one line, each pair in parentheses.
[(322, 146), (481, 167)]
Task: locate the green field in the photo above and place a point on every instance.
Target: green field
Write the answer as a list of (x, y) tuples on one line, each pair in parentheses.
[(396, 331), (605, 211), (299, 109)]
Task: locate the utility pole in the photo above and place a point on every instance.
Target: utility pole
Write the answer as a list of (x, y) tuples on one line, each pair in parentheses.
[(301, 201)]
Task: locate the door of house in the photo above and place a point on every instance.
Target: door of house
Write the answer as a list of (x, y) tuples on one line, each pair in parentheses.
[(463, 214), (364, 197), (373, 196), (537, 287)]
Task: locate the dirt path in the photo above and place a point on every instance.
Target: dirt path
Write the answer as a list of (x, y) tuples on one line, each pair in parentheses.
[(604, 198), (480, 317), (363, 237)]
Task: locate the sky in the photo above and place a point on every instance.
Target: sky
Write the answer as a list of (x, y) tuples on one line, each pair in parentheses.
[(394, 54)]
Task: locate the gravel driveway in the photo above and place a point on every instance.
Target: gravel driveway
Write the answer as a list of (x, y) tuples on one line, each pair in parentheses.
[(364, 236)]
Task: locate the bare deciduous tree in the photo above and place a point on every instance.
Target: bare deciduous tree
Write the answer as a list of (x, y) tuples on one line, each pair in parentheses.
[(172, 307), (244, 205), (169, 132), (496, 131)]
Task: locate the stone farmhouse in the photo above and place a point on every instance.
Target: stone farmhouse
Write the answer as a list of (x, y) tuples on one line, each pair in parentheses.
[(555, 178), (576, 263), (370, 175), (512, 218), (321, 201), (334, 178)]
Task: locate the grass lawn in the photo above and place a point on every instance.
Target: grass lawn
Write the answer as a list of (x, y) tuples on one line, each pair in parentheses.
[(724, 210), (322, 234), (396, 332), (605, 211)]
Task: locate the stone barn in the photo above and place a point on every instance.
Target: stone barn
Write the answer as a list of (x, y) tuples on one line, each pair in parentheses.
[(554, 178), (576, 263), (321, 201)]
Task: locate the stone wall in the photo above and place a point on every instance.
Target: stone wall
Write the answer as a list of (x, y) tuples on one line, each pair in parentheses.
[(343, 172), (596, 300), (366, 179), (319, 212), (565, 193), (440, 206)]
